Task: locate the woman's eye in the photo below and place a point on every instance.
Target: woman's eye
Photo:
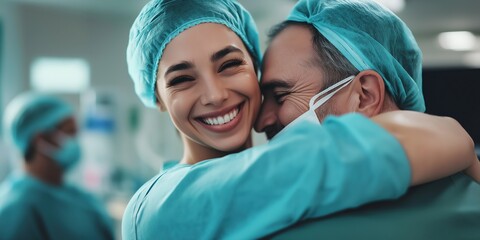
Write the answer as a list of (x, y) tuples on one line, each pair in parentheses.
[(179, 80), (231, 64)]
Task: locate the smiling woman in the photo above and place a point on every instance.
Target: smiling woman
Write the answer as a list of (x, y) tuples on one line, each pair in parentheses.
[(200, 65), (211, 92)]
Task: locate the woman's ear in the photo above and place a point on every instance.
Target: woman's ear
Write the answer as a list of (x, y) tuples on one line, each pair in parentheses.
[(371, 93), (160, 103)]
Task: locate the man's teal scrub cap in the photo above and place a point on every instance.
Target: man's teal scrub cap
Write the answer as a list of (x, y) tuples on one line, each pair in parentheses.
[(31, 113), (162, 20), (370, 37)]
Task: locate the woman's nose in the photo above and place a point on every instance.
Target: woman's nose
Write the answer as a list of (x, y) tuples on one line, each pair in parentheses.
[(215, 92)]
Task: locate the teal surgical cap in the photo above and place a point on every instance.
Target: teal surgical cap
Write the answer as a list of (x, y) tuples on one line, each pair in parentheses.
[(31, 113), (160, 21), (370, 37)]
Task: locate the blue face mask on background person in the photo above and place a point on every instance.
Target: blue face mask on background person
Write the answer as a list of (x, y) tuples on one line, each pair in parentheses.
[(67, 154), (314, 104)]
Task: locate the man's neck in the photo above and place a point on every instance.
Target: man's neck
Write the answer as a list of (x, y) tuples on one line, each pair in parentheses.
[(45, 170)]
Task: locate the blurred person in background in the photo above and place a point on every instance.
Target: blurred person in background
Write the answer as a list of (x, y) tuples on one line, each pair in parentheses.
[(197, 60), (35, 201)]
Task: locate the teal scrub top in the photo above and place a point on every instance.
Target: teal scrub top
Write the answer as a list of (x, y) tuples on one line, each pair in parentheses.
[(445, 209), (309, 171), (31, 209)]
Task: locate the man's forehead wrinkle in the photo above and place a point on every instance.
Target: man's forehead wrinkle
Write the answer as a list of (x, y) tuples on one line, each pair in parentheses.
[(303, 91), (307, 80), (300, 84)]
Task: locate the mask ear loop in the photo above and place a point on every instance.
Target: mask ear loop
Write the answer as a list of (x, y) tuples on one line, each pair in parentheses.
[(314, 105)]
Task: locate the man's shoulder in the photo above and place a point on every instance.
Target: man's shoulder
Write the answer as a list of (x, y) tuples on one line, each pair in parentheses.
[(14, 204), (13, 193), (435, 210)]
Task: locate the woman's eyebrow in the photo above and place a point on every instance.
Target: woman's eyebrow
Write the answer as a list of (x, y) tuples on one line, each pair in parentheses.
[(225, 51), (180, 66)]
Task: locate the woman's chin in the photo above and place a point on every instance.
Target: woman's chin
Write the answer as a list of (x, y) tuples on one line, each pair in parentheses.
[(231, 146)]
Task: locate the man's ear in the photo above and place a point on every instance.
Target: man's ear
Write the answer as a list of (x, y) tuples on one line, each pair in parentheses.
[(35, 141), (371, 93), (33, 145)]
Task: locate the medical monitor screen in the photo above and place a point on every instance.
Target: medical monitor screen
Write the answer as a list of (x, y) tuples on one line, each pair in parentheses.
[(454, 93)]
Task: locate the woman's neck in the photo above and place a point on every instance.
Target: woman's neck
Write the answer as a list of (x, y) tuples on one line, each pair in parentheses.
[(194, 152)]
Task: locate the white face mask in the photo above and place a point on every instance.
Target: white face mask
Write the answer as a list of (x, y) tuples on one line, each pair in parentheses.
[(310, 114)]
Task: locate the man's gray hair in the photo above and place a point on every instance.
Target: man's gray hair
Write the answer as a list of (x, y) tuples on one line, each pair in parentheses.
[(334, 65)]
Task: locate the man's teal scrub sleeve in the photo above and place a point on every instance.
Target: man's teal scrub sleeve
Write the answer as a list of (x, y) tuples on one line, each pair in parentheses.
[(310, 171)]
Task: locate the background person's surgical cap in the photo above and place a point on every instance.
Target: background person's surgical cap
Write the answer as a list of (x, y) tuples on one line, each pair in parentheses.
[(162, 20), (31, 113), (370, 37)]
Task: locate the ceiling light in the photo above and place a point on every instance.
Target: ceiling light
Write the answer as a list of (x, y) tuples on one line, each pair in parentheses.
[(457, 41), (68, 75)]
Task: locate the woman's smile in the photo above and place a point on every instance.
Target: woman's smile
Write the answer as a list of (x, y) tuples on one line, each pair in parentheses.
[(222, 120)]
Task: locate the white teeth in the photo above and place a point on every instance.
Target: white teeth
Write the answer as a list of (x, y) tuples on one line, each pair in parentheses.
[(221, 119), (226, 118)]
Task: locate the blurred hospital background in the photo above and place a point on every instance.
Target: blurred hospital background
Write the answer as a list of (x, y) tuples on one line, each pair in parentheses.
[(75, 49)]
